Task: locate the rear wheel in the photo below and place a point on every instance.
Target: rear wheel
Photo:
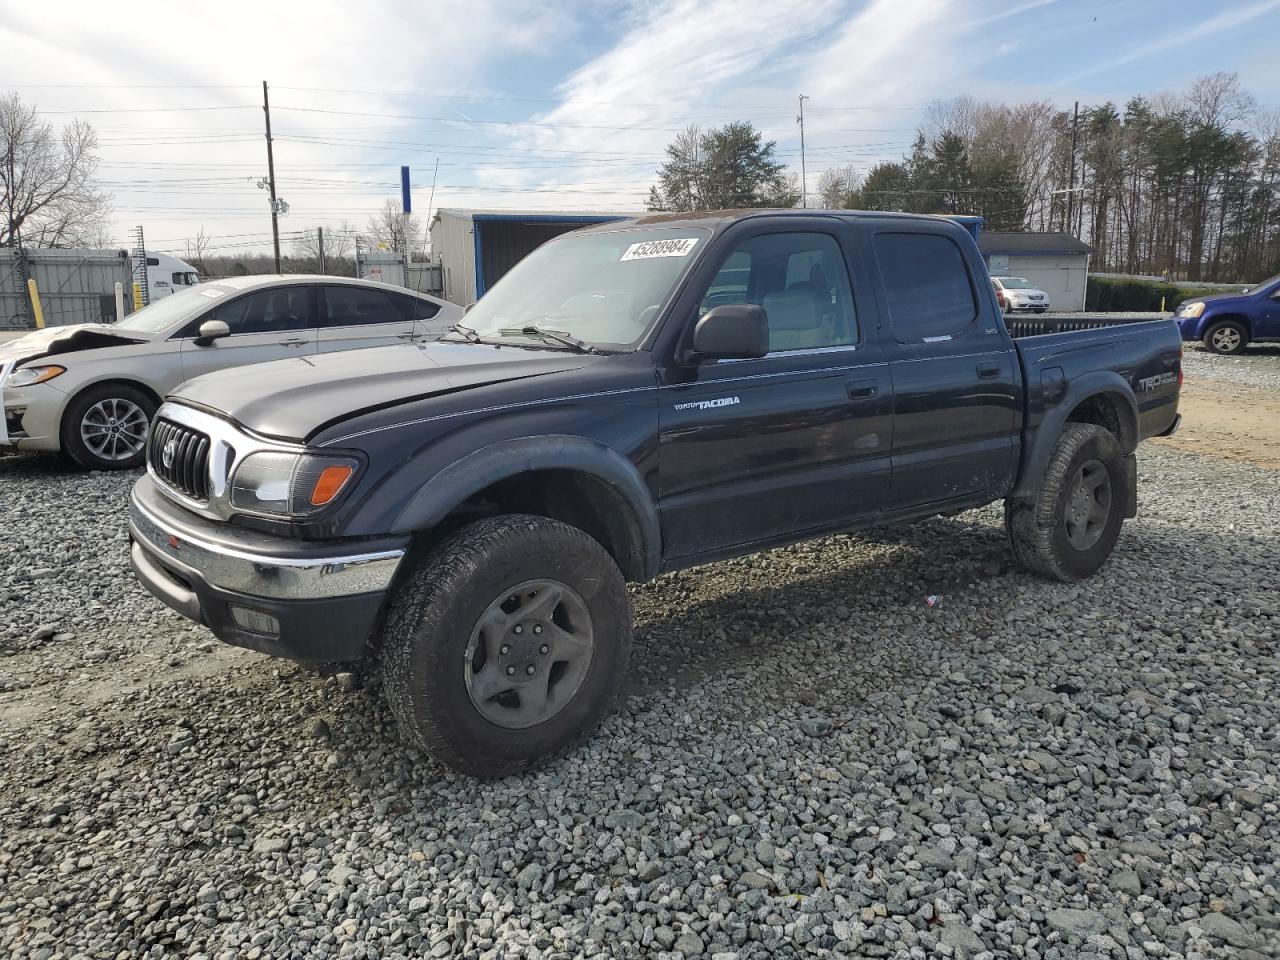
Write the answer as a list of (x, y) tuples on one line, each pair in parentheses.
[(506, 644), (1068, 530), (1227, 337), (106, 427)]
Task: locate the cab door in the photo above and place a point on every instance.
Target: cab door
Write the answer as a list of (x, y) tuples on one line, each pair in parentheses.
[(768, 449), (956, 387), (273, 323)]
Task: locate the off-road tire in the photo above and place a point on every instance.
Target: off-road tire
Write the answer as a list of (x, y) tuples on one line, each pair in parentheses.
[(1037, 526), (435, 609), (72, 444), (1222, 325)]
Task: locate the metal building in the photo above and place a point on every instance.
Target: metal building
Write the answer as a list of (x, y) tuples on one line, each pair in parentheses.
[(476, 247), (1057, 263), (76, 286)]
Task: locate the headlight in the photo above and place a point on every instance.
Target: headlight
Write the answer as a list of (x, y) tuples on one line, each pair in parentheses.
[(289, 484), (1191, 309), (29, 376)]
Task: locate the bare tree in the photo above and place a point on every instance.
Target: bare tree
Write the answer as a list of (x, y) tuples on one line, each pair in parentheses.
[(339, 249), (387, 228), (197, 247), (48, 193), (836, 186), (1218, 100)]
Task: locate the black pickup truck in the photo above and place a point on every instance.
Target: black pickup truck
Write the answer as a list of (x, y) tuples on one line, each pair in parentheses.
[(630, 399)]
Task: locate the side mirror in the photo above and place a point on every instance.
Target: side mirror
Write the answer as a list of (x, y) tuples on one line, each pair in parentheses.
[(732, 331), (210, 331)]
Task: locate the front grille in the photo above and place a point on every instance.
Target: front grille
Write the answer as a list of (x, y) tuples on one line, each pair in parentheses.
[(186, 467)]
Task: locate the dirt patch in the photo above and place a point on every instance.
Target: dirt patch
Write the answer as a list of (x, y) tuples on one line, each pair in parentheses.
[(1230, 421)]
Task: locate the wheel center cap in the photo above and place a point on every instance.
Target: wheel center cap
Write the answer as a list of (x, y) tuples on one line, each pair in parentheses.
[(525, 652)]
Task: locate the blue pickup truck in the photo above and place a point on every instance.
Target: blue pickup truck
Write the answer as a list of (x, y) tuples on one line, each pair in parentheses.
[(1227, 323)]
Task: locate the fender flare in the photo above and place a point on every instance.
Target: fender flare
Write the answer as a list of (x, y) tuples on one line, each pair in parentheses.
[(1097, 383), (445, 491)]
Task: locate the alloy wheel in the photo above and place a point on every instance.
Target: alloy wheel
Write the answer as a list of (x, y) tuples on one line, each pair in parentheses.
[(114, 429)]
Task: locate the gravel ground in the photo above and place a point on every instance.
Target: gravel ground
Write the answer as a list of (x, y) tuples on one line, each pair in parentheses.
[(1258, 366), (809, 759)]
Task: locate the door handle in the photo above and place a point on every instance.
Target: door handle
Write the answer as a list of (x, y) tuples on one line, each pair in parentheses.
[(988, 371), (294, 342), (862, 389)]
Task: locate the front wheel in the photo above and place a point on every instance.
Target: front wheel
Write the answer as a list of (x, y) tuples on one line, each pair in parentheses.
[(1068, 529), (505, 644), (1227, 337), (106, 427)]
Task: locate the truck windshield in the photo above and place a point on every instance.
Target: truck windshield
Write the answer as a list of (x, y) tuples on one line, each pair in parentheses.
[(604, 289)]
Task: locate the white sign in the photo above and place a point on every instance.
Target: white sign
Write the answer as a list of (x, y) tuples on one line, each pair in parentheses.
[(659, 248), (212, 293), (375, 273)]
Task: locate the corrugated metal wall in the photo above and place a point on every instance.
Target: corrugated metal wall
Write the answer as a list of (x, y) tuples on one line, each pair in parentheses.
[(453, 246), (76, 286)]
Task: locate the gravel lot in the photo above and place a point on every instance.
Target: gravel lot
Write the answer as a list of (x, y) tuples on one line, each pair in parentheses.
[(810, 760)]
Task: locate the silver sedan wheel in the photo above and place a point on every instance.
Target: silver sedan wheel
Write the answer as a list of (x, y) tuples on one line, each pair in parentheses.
[(529, 654), (115, 429), (1226, 339)]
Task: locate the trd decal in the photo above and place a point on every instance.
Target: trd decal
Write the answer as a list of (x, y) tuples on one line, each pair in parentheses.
[(1159, 380)]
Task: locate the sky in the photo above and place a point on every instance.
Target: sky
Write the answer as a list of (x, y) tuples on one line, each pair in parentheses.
[(550, 105)]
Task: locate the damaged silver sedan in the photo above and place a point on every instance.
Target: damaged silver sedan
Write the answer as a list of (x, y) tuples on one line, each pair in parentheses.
[(90, 390)]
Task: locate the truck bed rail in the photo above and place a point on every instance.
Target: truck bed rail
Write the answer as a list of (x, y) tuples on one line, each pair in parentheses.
[(1027, 326)]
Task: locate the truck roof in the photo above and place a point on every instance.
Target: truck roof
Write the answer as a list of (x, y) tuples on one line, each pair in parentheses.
[(721, 218)]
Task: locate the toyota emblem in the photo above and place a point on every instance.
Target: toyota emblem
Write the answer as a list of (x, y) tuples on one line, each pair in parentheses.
[(168, 452)]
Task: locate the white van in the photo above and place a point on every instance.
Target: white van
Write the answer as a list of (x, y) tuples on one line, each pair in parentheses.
[(166, 275)]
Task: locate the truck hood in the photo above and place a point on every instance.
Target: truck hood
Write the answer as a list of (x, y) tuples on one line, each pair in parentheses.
[(293, 399), (76, 336)]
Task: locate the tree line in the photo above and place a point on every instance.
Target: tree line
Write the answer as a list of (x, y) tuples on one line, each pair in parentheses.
[(1185, 186)]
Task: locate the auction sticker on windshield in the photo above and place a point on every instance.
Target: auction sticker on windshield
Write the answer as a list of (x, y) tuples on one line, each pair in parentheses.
[(659, 248)]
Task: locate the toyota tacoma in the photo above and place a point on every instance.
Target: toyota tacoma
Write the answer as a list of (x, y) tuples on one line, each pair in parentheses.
[(630, 399)]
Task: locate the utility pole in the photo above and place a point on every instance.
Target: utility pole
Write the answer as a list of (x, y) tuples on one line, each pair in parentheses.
[(804, 180), (1071, 194), (320, 247), (271, 177)]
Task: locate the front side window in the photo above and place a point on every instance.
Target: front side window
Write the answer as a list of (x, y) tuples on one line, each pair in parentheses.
[(358, 307), (604, 288), (274, 310), (926, 284), (801, 281)]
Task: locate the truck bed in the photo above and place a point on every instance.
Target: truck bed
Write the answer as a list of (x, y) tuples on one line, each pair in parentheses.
[(1034, 325)]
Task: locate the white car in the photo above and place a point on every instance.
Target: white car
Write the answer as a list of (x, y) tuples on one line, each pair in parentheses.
[(90, 390), (1017, 294)]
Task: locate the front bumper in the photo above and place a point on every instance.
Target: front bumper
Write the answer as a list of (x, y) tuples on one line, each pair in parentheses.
[(287, 598), (31, 415)]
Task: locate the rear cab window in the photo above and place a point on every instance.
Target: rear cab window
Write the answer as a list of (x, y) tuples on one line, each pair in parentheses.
[(929, 292)]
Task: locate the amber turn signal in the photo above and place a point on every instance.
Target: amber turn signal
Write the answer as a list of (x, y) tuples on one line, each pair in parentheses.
[(330, 483)]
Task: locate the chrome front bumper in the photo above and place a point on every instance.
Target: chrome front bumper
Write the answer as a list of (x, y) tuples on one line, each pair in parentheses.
[(232, 563), (289, 598)]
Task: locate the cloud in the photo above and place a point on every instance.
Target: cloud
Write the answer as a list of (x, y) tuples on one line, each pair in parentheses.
[(1181, 35)]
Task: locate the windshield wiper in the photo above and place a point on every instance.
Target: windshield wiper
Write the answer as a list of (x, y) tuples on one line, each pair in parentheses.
[(533, 330), (465, 332)]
